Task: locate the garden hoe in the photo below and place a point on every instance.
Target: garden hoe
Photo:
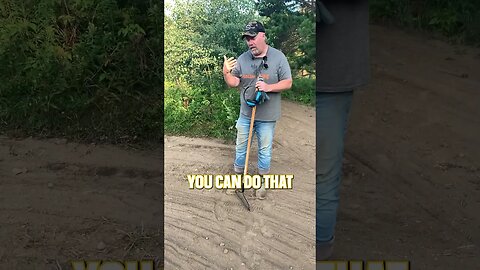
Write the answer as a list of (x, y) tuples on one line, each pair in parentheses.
[(259, 98), (241, 193)]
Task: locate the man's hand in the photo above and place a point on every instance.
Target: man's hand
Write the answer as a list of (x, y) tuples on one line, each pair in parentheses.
[(228, 64), (262, 86), (274, 87)]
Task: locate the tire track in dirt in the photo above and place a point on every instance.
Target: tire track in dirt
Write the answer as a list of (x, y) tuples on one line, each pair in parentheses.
[(60, 200), (208, 229)]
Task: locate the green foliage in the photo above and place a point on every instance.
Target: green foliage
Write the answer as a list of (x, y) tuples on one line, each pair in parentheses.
[(88, 69), (197, 35), (187, 60), (200, 111), (303, 91), (458, 20), (291, 28)]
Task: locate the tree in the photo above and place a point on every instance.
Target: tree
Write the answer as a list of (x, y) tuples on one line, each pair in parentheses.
[(291, 28), (200, 32)]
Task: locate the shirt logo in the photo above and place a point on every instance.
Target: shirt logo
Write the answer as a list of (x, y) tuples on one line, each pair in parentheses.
[(252, 76)]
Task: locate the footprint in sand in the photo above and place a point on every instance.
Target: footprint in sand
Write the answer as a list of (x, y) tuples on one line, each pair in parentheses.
[(248, 245), (265, 230), (220, 211)]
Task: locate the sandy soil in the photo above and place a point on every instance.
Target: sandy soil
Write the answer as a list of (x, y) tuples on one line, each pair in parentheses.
[(412, 185), (411, 188), (63, 201), (208, 229)]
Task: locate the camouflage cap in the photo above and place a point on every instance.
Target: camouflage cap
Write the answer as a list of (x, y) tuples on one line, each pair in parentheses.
[(252, 29)]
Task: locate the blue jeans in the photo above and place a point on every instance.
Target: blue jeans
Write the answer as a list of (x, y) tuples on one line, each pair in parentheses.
[(264, 131), (332, 112)]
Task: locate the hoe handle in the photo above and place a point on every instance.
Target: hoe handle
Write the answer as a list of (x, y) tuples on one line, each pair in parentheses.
[(254, 109)]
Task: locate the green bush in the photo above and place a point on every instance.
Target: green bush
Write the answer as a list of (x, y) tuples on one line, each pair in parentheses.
[(83, 69), (302, 91), (201, 111)]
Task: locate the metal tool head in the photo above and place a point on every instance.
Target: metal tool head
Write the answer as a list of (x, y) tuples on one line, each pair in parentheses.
[(243, 199)]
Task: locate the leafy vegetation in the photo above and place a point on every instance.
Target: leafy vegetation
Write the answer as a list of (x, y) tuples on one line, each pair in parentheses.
[(457, 20), (86, 69), (302, 91)]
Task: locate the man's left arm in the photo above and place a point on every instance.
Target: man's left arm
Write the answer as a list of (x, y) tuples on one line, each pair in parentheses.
[(279, 86), (284, 79)]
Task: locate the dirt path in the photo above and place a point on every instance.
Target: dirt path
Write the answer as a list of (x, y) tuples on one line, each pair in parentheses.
[(64, 201), (208, 229), (412, 185)]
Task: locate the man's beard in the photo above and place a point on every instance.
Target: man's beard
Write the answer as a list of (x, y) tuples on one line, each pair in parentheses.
[(255, 51)]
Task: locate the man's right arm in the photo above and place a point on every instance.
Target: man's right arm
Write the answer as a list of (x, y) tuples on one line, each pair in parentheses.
[(228, 65), (231, 80)]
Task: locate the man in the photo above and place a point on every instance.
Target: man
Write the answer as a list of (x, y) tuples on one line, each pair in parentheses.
[(270, 64), (342, 67)]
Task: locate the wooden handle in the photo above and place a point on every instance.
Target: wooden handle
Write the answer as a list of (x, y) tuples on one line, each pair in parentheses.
[(252, 119)]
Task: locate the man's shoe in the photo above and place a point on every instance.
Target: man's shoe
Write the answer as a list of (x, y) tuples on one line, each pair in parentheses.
[(324, 250), (261, 193), (232, 191)]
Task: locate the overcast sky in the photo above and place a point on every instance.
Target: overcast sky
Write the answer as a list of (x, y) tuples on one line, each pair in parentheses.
[(170, 3)]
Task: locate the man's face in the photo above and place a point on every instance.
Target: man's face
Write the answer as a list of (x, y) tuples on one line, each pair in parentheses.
[(256, 44)]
